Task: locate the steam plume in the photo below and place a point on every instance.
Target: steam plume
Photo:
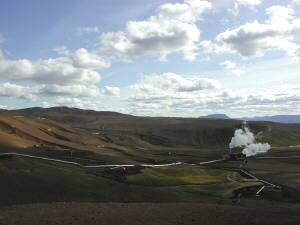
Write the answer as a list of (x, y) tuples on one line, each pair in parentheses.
[(244, 138), (257, 148), (241, 138)]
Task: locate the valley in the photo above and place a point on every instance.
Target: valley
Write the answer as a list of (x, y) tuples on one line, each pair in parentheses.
[(88, 159)]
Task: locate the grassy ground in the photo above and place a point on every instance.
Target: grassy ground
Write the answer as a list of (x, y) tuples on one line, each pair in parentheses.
[(31, 181), (206, 192)]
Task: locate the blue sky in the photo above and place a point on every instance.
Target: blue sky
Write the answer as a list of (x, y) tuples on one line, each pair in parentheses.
[(159, 58)]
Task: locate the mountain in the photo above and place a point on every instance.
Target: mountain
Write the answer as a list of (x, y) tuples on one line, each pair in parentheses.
[(276, 118), (217, 116)]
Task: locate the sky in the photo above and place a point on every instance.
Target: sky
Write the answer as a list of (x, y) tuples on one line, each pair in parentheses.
[(185, 58)]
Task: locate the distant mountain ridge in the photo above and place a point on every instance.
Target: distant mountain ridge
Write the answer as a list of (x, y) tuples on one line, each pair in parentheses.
[(217, 116), (276, 118)]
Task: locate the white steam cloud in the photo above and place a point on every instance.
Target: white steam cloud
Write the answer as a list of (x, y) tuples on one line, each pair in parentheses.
[(256, 148), (244, 138)]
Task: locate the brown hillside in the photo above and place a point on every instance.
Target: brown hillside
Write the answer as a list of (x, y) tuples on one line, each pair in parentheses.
[(18, 131)]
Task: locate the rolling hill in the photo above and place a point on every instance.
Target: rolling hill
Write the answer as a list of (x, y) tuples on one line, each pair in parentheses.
[(19, 131), (111, 128)]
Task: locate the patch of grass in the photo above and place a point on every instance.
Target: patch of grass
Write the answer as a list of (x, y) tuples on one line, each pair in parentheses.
[(181, 175)]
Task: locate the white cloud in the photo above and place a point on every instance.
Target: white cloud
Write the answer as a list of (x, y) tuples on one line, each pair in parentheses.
[(296, 2), (242, 102), (16, 91), (170, 84), (61, 50), (84, 30), (76, 103), (249, 2), (3, 107), (84, 59), (229, 64), (111, 91), (72, 74), (70, 90), (235, 10), (77, 68), (238, 72), (281, 14), (46, 104), (232, 66), (278, 32), (172, 29)]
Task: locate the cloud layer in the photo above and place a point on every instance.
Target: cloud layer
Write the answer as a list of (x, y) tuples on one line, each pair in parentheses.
[(170, 83), (241, 102), (188, 28), (71, 74), (76, 68)]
